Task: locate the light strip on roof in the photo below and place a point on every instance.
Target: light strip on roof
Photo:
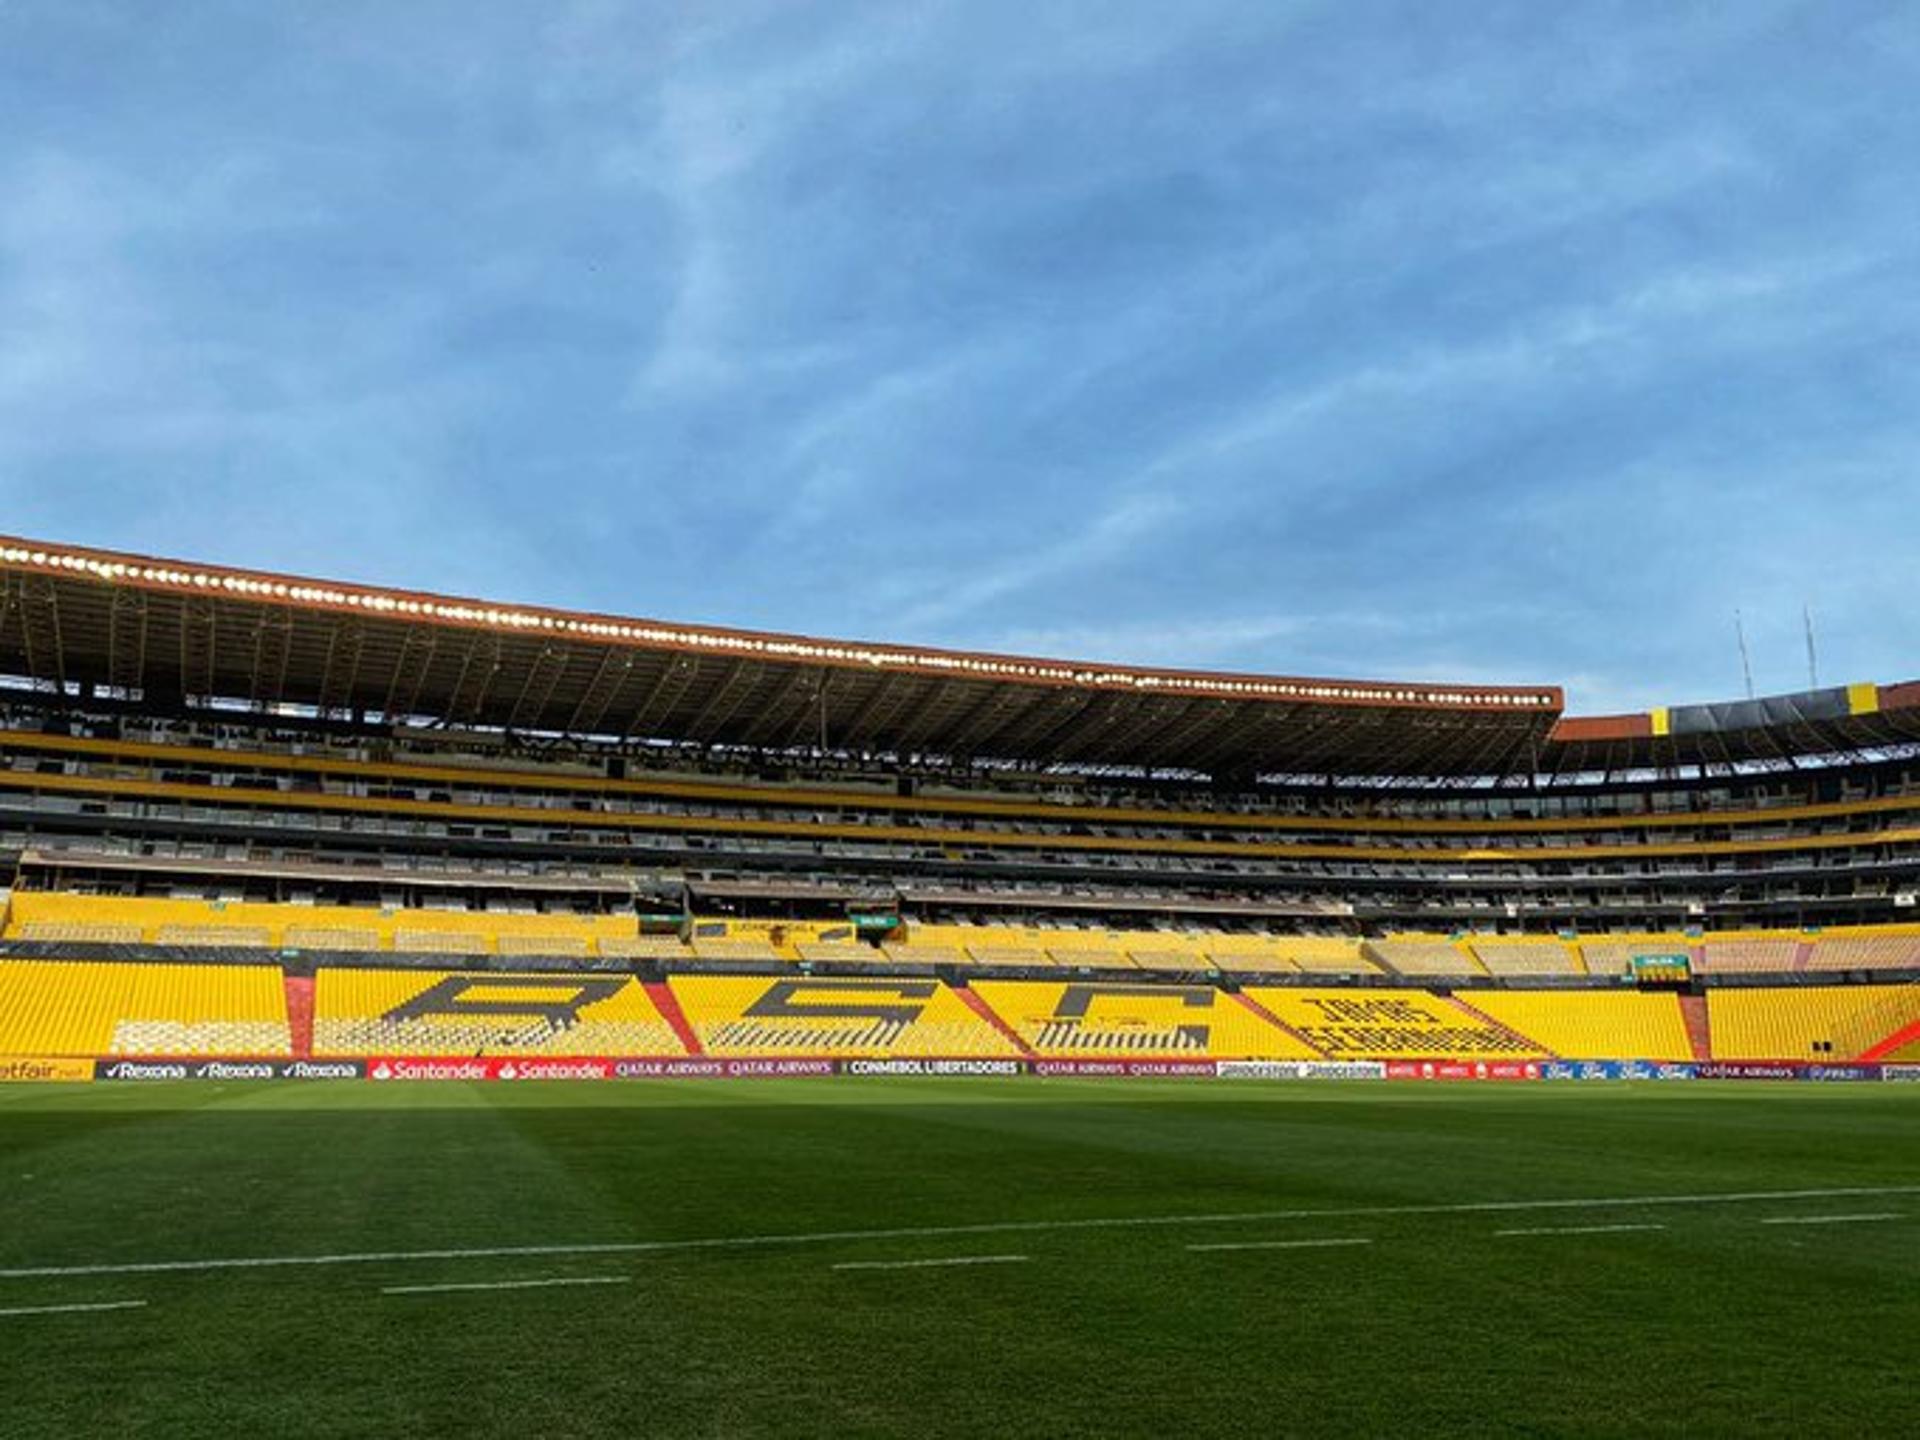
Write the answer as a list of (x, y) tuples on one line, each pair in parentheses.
[(379, 602)]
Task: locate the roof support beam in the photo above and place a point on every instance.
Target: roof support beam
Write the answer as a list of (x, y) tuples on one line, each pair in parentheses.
[(742, 677), (272, 649), (1061, 735), (934, 717), (1178, 729), (477, 674), (614, 669), (197, 620), (342, 669), (789, 709), (676, 676), (417, 648), (536, 691), (40, 633), (127, 639), (874, 708), (1023, 703)]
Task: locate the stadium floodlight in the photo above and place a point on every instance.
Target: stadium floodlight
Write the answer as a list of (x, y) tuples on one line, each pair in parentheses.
[(126, 570)]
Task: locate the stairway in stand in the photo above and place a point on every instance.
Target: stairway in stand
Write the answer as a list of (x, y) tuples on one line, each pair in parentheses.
[(668, 1004), (1693, 1009), (299, 992), (977, 1003)]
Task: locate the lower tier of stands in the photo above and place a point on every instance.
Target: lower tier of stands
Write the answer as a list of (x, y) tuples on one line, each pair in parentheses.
[(1393, 1024), (76, 1007), (754, 1016), (1768, 1024), (69, 1007), (1083, 1021), (1577, 1025), (412, 1012), (69, 919)]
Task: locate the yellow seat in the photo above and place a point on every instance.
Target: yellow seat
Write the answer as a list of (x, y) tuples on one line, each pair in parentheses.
[(76, 1007), (805, 1016)]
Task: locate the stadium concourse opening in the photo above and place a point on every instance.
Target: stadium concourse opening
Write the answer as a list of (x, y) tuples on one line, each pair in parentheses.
[(317, 827)]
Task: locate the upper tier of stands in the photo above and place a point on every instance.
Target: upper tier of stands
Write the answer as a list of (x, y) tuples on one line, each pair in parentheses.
[(1074, 832), (259, 807)]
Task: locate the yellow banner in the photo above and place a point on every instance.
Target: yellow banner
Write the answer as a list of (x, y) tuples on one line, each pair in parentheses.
[(38, 1068)]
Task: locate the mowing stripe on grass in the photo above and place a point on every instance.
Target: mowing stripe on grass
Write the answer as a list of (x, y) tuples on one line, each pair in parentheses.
[(1279, 1244), (929, 1232), (94, 1308), (929, 1264), (1580, 1230), (508, 1284), (1827, 1219)]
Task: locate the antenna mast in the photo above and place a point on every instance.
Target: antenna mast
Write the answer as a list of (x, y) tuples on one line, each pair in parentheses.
[(1746, 663)]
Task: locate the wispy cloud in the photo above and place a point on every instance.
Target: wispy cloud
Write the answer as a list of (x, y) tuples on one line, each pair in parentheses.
[(1313, 337)]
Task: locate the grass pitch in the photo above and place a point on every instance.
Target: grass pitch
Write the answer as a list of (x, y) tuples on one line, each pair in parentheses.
[(797, 1314)]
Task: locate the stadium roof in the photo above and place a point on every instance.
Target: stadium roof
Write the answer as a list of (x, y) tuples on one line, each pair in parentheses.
[(72, 619)]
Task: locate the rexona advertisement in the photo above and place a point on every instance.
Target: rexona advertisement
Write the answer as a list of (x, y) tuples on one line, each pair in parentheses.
[(227, 1069)]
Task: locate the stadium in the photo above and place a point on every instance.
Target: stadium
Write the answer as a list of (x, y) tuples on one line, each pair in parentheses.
[(872, 1036)]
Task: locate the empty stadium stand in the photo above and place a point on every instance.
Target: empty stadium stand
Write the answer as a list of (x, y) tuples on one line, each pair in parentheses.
[(71, 1007), (1101, 1019), (738, 1016), (457, 828), (1592, 1025), (1390, 1024), (420, 1012), (1807, 1023)]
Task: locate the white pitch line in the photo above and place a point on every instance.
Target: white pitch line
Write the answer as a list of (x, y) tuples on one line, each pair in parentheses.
[(1827, 1219), (508, 1284), (75, 1309), (1280, 1244), (929, 1264), (1580, 1230), (933, 1232)]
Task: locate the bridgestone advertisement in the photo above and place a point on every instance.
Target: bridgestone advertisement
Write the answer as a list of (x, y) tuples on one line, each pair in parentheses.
[(1300, 1069)]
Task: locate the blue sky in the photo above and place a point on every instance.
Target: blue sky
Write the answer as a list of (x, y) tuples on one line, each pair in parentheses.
[(1499, 342)]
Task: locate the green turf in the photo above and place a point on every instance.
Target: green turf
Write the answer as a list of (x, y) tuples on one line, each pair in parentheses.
[(1716, 1324)]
